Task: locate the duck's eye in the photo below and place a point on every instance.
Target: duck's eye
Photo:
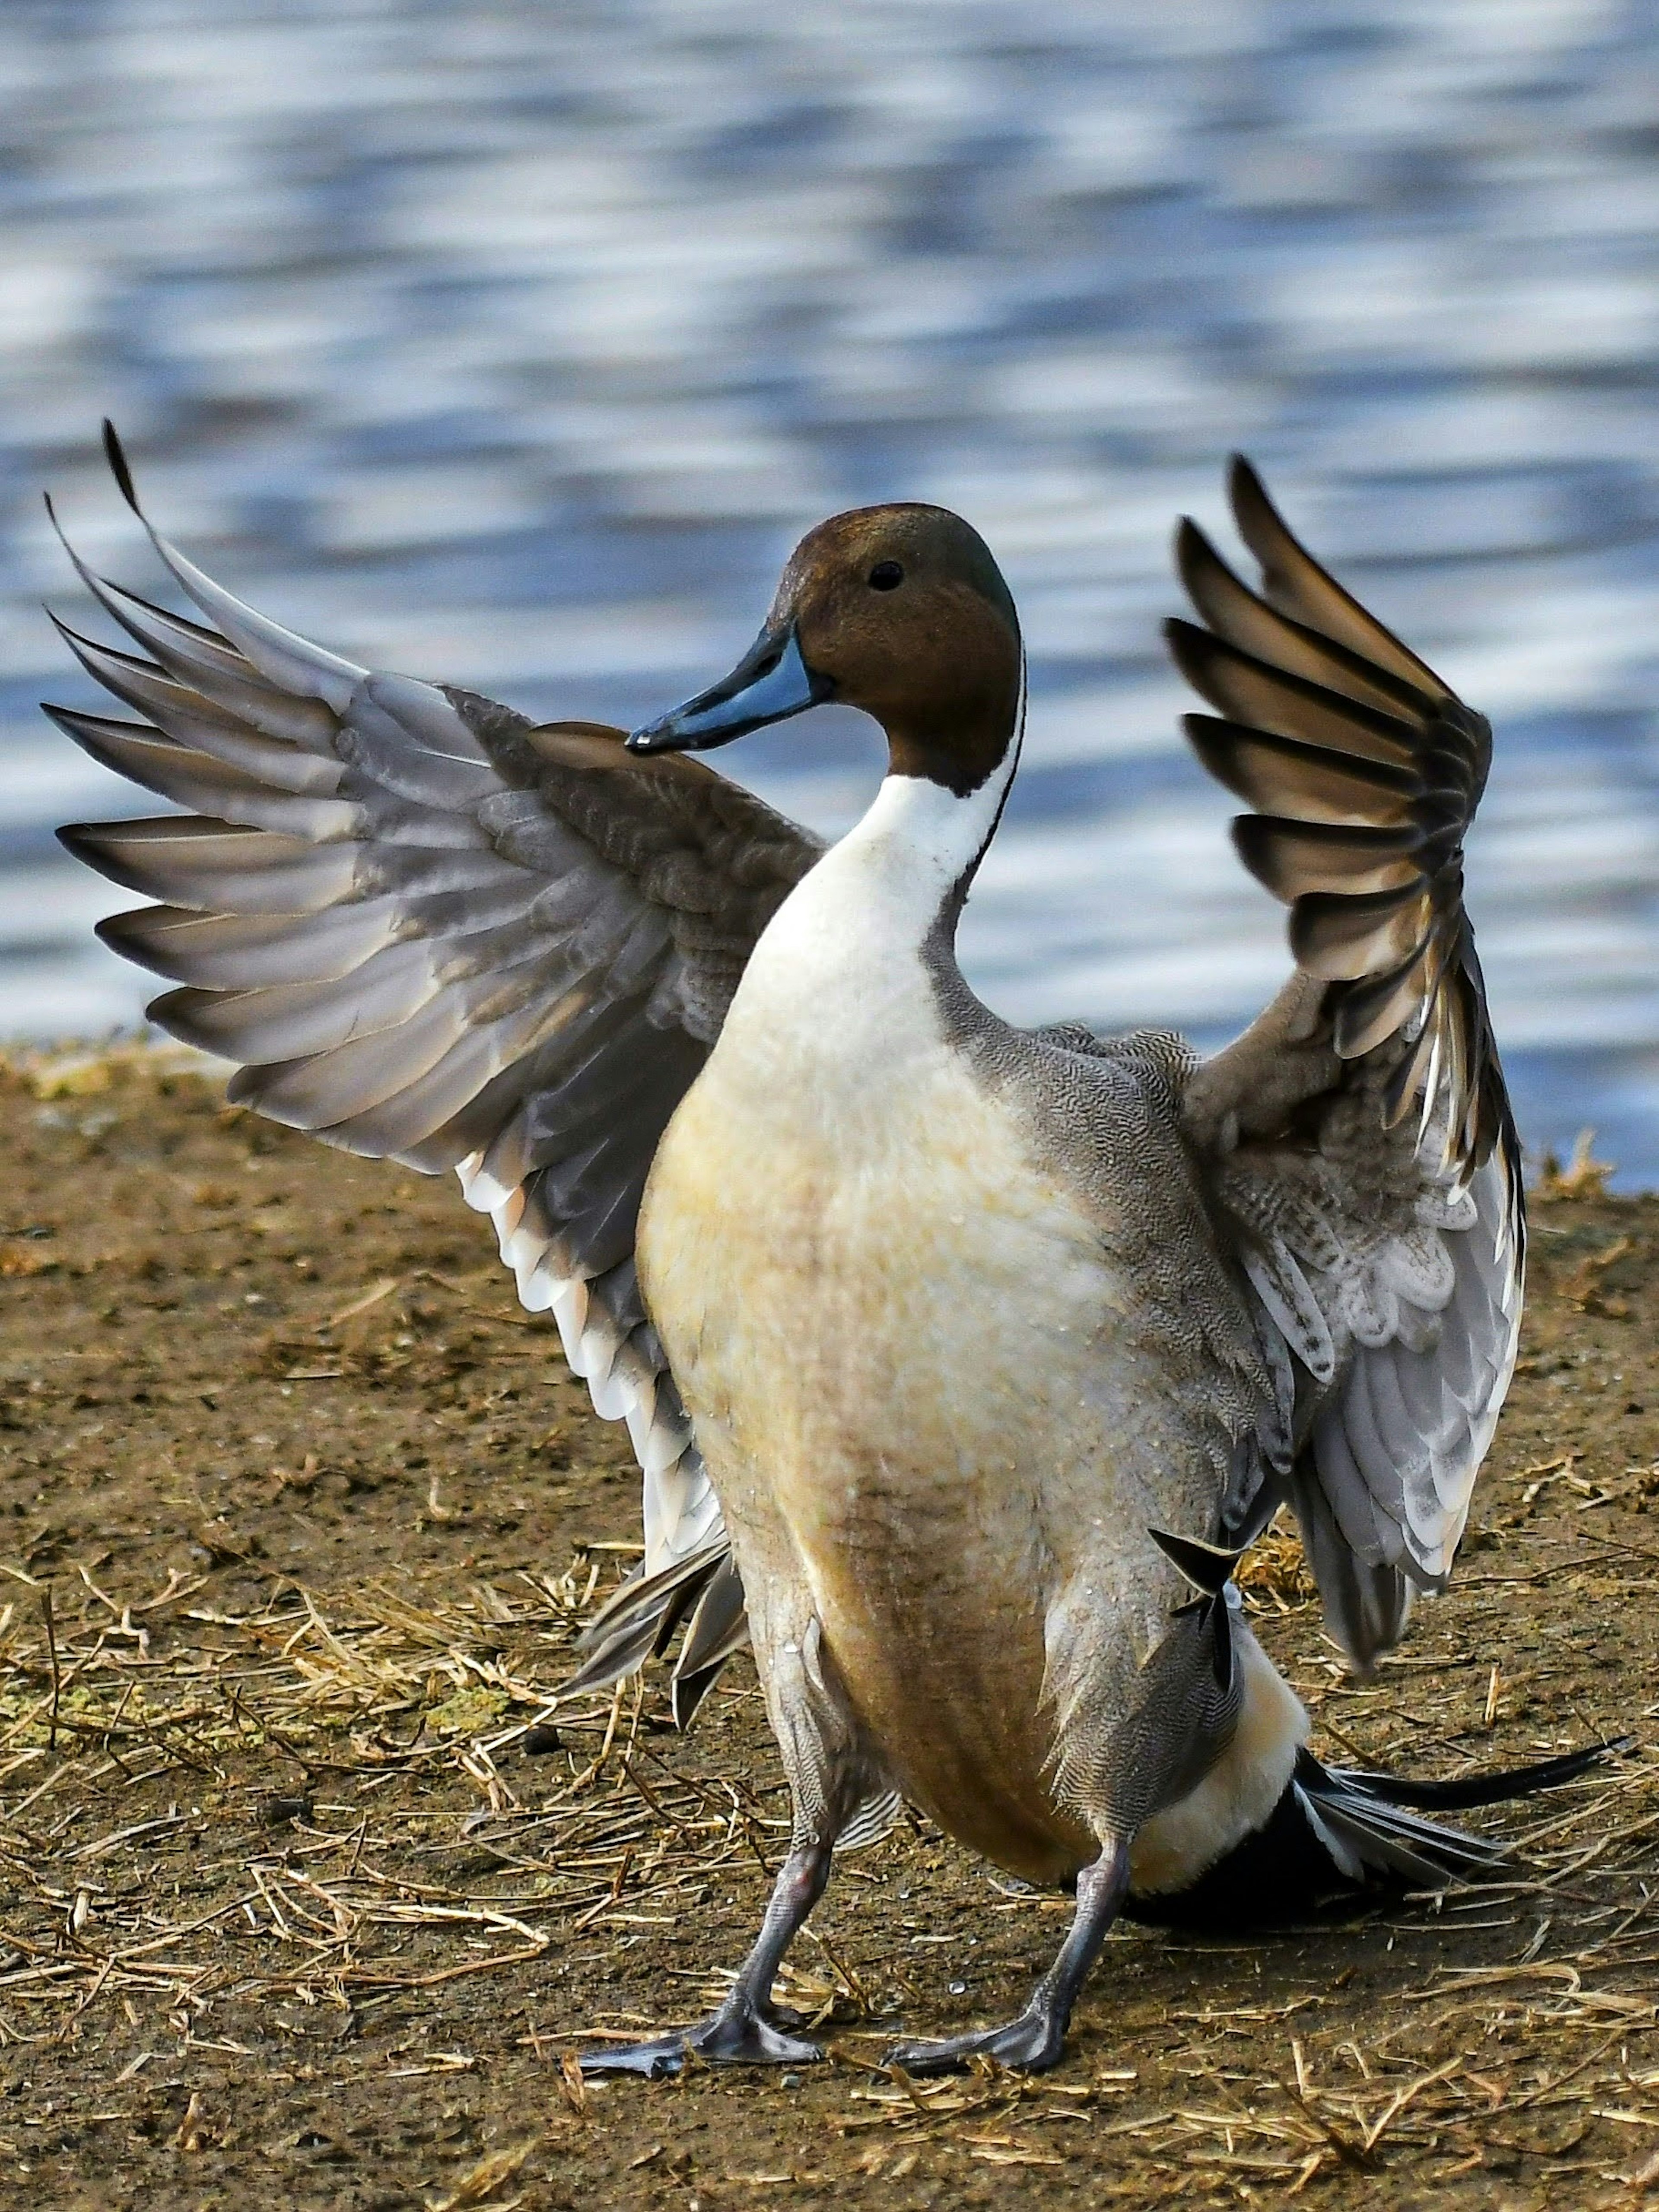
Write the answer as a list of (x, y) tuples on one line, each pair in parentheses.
[(886, 576)]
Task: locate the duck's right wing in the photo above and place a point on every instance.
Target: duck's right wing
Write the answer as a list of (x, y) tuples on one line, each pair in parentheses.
[(1357, 1140), (431, 932)]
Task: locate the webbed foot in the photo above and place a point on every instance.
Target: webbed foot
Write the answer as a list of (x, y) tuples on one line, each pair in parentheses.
[(1035, 2041), (748, 2029), (1030, 2044), (736, 2036)]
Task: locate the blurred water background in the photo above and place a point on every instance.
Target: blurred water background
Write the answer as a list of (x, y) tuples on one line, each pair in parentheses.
[(513, 345)]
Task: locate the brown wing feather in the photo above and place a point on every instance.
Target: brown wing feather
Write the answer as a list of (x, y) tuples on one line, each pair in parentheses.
[(1293, 581), (1303, 751), (1360, 1132)]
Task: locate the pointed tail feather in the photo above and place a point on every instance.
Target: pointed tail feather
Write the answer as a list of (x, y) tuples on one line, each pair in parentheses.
[(1338, 1839), (1510, 1782)]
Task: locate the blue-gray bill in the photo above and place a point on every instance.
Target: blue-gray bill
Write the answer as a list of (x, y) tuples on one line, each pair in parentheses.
[(769, 684)]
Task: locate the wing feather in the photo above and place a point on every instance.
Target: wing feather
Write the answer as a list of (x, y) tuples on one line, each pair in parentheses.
[(1294, 858), (1283, 775), (196, 719), (238, 952), (428, 930), (206, 781), (1361, 1125), (214, 866)]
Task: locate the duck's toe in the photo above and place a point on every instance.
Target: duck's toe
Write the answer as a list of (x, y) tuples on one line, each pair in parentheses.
[(1030, 2044), (729, 2039), (656, 2059)]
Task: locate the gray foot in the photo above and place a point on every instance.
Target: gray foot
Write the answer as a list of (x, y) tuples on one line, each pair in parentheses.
[(1031, 2044), (729, 2039)]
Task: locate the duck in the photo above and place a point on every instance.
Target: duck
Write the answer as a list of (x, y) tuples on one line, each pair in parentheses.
[(963, 1361)]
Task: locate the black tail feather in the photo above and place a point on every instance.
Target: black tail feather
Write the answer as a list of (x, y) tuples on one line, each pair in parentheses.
[(1488, 1789), (1337, 1839)]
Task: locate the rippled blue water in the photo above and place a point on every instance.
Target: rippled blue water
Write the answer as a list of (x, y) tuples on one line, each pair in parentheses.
[(513, 345)]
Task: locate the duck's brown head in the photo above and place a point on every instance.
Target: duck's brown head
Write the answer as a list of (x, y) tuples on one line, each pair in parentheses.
[(900, 611)]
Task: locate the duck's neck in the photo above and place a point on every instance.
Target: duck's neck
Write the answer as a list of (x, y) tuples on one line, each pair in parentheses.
[(851, 960), (914, 853), (905, 868)]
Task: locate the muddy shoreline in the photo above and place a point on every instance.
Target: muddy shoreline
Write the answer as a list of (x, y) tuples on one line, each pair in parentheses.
[(297, 1516)]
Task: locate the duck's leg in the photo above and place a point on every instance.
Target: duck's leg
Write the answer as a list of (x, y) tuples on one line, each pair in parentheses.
[(829, 1776), (746, 2030), (1036, 2039), (1120, 1760)]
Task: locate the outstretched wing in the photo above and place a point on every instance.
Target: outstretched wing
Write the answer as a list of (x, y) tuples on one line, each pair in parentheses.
[(1358, 1135), (431, 932)]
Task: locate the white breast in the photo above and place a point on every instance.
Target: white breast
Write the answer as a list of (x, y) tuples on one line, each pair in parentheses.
[(886, 1314)]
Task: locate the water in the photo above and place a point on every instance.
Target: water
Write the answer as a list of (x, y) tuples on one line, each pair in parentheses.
[(513, 345)]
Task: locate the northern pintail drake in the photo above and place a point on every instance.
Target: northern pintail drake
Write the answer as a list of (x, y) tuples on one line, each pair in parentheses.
[(961, 1361)]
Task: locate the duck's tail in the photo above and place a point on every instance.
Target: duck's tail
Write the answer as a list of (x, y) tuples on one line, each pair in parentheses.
[(1338, 1837)]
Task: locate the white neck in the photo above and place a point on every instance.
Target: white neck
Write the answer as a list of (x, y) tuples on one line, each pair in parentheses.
[(838, 981), (918, 840), (887, 879)]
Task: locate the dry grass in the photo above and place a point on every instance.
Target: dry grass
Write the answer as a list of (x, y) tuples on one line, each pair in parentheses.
[(421, 1844), (1275, 1575), (92, 1070), (1583, 1175), (394, 1689)]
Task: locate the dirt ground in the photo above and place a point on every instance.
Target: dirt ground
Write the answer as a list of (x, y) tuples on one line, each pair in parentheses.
[(305, 1898)]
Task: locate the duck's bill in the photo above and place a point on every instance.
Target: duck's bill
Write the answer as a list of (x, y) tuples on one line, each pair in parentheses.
[(769, 684)]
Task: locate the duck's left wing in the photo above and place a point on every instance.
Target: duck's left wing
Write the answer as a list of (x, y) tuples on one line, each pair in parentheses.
[(1357, 1140), (431, 932)]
